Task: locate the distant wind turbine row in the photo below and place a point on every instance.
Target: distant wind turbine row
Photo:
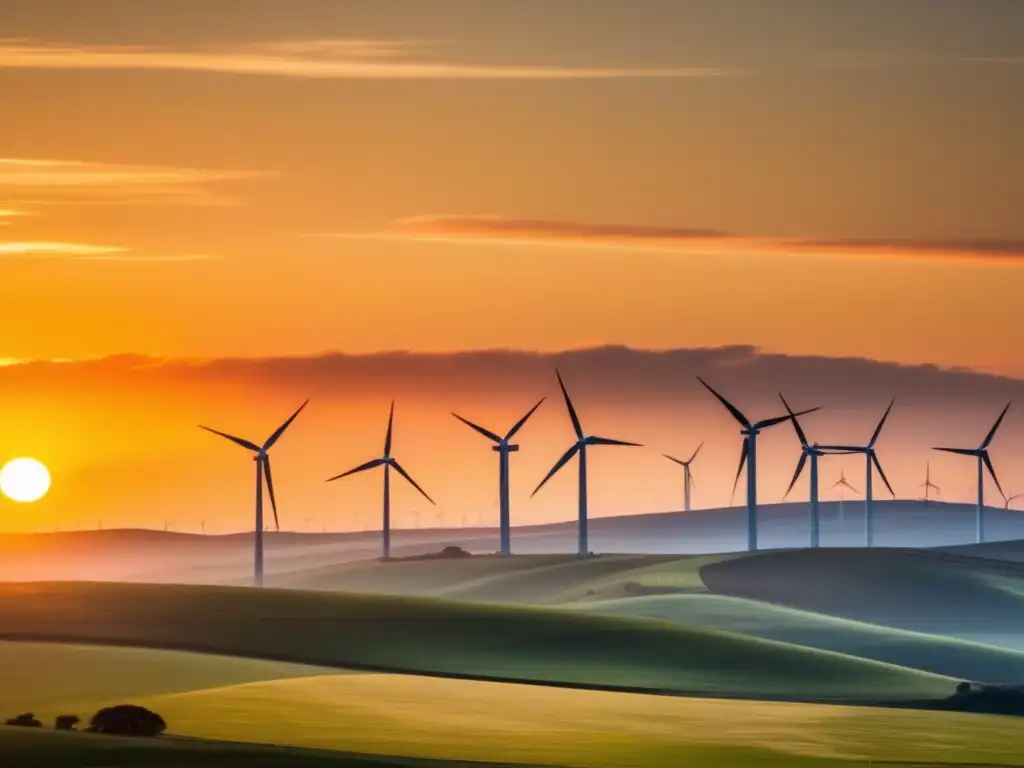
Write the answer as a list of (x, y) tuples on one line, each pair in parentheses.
[(503, 446)]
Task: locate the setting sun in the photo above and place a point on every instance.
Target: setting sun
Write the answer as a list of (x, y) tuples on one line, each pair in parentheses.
[(24, 480)]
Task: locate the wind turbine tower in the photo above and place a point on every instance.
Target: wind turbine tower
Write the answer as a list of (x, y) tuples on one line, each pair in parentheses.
[(843, 483), (579, 447), (750, 431), (687, 475), (872, 463), (262, 459), (388, 462), (928, 483), (813, 452), (503, 448), (984, 462)]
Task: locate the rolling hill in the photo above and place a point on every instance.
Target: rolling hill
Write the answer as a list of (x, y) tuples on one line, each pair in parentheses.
[(160, 556), (931, 592), (436, 637), (366, 719)]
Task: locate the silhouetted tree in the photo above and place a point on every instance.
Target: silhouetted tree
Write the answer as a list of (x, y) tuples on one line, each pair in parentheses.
[(66, 722), (25, 720), (963, 688), (127, 720)]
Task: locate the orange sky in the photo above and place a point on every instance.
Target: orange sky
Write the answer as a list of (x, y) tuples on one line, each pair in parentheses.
[(207, 180)]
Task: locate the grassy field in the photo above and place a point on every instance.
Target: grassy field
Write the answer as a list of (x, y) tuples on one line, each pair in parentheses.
[(32, 748), (924, 591), (472, 721), (454, 639), (933, 653), (51, 679), (426, 721), (530, 579)]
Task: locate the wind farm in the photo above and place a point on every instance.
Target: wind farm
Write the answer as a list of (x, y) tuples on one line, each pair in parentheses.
[(531, 250)]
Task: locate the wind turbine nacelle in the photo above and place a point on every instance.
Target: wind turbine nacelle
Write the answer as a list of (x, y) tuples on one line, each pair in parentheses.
[(500, 448)]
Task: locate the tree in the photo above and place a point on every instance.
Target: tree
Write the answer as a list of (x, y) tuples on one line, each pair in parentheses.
[(25, 720), (963, 688), (66, 722), (127, 720)]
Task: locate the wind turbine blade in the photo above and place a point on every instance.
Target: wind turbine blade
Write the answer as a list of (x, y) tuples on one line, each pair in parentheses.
[(992, 471), (568, 404), (696, 452), (958, 451), (270, 490), (387, 438), (736, 414), (673, 458), (796, 475), (280, 430), (558, 465), (992, 432), (779, 419), (361, 468), (519, 424), (403, 473), (847, 484), (743, 460), (881, 473), (796, 424), (878, 429), (609, 441), (485, 432), (242, 442), (846, 448)]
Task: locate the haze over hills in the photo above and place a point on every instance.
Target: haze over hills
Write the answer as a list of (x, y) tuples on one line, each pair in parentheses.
[(171, 556)]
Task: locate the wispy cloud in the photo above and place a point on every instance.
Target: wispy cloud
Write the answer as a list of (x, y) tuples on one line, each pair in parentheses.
[(35, 181), (43, 249), (499, 230), (9, 214), (320, 59)]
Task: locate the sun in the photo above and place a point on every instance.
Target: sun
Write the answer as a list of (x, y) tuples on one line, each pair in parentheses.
[(24, 480)]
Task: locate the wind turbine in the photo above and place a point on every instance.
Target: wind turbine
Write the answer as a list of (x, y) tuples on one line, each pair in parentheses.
[(814, 452), (1010, 499), (580, 447), (928, 482), (503, 448), (262, 460), (870, 458), (389, 463), (981, 454), (843, 483), (749, 452), (687, 475)]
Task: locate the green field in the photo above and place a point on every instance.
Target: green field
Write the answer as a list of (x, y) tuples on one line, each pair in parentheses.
[(933, 653), (429, 719), (50, 679), (530, 579), (469, 720), (917, 590), (423, 635)]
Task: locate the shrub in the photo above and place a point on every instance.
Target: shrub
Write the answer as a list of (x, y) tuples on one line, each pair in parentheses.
[(963, 688), (66, 722), (25, 720), (127, 720)]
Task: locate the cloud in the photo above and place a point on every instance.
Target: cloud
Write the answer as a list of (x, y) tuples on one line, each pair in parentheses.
[(500, 230), (57, 181), (42, 249), (318, 59), (8, 214)]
